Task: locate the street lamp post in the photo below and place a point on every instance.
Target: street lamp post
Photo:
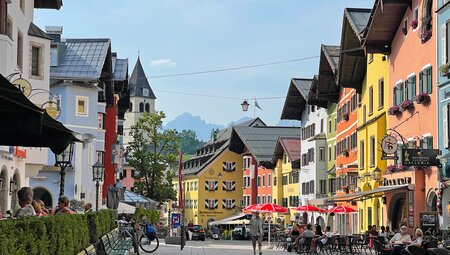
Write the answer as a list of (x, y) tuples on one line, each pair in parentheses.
[(98, 171), (64, 160)]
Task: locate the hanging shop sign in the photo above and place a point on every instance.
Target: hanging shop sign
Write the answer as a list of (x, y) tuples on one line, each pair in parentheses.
[(389, 147), (23, 85), (420, 157), (52, 109)]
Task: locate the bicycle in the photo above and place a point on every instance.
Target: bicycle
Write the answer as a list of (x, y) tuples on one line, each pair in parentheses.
[(148, 241), (143, 235)]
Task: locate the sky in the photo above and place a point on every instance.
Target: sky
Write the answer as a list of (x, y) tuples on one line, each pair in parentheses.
[(188, 36)]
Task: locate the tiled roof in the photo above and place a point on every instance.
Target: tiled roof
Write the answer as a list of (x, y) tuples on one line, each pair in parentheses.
[(34, 30), (296, 99), (260, 141), (331, 52), (120, 69), (213, 148), (358, 18), (138, 81), (290, 145), (82, 59)]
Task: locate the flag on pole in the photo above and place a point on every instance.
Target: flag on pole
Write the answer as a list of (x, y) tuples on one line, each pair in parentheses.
[(257, 105), (180, 182)]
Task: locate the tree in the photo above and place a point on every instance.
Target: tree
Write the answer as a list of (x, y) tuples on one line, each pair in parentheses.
[(151, 153), (189, 143)]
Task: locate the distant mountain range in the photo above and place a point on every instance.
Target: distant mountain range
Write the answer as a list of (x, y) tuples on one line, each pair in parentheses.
[(203, 129)]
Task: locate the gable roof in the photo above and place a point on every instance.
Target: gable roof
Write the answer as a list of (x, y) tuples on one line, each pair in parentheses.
[(138, 81), (120, 69), (383, 24), (288, 145), (352, 58), (259, 141), (313, 98), (82, 59), (34, 30), (296, 99), (214, 148), (327, 88)]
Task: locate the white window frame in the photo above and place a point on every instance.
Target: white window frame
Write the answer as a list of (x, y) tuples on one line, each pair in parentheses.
[(86, 100)]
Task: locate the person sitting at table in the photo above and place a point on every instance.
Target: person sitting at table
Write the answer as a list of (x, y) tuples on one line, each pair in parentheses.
[(294, 233), (323, 239), (317, 234), (399, 240), (373, 234), (417, 241), (389, 232), (383, 231), (307, 233)]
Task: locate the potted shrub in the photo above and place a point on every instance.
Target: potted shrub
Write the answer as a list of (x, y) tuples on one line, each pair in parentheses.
[(407, 105), (414, 24), (423, 98), (394, 110), (390, 169), (444, 69)]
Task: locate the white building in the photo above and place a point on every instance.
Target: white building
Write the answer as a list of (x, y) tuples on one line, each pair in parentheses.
[(25, 53)]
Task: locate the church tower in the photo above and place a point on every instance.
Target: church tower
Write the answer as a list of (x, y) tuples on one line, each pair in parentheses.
[(142, 99)]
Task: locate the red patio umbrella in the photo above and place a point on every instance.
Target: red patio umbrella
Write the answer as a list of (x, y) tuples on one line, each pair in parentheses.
[(272, 208), (308, 208), (342, 209), (251, 208)]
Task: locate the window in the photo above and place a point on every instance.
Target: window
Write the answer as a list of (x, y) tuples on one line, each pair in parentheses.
[(370, 100), (415, 16), (398, 93), (229, 166), (269, 180), (247, 163), (426, 80), (258, 200), (333, 185), (410, 88), (264, 180), (130, 109), (405, 27), (274, 181), (211, 185), (284, 158), (426, 142), (285, 179), (323, 186), (364, 114), (19, 50), (380, 93), (427, 23), (445, 125), (9, 25), (361, 154), (147, 107), (335, 152), (321, 126), (101, 156), (211, 204), (258, 180), (329, 153), (263, 199), (321, 154), (141, 107), (269, 199), (329, 126), (101, 120), (372, 151), (228, 204), (369, 215), (35, 60), (82, 106), (3, 17)]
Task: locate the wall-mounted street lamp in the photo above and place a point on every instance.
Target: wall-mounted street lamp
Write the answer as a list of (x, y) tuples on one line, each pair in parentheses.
[(376, 174), (64, 160), (245, 105), (98, 170)]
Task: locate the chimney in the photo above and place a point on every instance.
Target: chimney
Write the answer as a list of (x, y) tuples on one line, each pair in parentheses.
[(54, 32)]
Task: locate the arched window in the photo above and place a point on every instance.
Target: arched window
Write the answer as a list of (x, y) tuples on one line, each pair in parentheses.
[(130, 109), (147, 107), (141, 107), (427, 21)]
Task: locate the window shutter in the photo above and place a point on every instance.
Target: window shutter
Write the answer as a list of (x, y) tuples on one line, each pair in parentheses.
[(395, 96), (406, 89), (430, 142), (430, 80), (447, 45), (421, 82), (413, 87), (443, 44), (445, 125)]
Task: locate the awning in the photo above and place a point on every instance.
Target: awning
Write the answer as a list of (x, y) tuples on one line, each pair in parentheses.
[(229, 219), (25, 124), (134, 198), (378, 192), (359, 196)]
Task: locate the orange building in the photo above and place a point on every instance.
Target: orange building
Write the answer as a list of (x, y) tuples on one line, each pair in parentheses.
[(404, 31)]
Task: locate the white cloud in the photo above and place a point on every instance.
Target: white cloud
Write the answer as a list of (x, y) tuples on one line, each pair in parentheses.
[(163, 62)]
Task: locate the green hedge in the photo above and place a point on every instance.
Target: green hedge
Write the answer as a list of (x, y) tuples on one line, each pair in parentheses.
[(151, 215), (59, 234)]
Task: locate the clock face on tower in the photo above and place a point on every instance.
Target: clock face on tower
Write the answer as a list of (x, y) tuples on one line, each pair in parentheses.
[(145, 92), (23, 85)]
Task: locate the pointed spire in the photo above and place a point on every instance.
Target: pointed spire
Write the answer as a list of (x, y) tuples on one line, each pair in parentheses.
[(138, 82)]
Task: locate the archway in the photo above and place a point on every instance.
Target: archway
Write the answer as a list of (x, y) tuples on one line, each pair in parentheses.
[(40, 193), (431, 201), (4, 190), (321, 222), (397, 211), (17, 184)]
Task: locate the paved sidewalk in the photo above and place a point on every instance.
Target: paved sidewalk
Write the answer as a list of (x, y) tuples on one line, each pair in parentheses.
[(210, 247)]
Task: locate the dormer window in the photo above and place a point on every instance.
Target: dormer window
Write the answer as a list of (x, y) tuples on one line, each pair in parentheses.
[(145, 92)]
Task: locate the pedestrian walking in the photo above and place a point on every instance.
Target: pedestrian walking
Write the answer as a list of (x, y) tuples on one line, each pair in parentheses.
[(256, 232)]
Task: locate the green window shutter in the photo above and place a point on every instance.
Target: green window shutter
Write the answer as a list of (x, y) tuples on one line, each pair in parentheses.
[(421, 144), (430, 142), (430, 80), (395, 96), (421, 82), (402, 97), (413, 87), (406, 89)]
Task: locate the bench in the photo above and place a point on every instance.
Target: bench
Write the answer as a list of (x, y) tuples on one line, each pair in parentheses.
[(89, 250), (113, 243)]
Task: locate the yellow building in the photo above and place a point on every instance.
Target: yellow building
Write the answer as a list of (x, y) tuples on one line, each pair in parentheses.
[(213, 180), (286, 160), (372, 124)]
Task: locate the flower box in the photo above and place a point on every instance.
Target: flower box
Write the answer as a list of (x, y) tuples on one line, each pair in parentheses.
[(444, 69), (395, 168), (423, 98), (414, 24), (407, 105), (425, 35), (394, 110)]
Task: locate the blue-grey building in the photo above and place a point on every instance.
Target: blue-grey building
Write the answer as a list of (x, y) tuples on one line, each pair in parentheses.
[(81, 73), (443, 83)]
